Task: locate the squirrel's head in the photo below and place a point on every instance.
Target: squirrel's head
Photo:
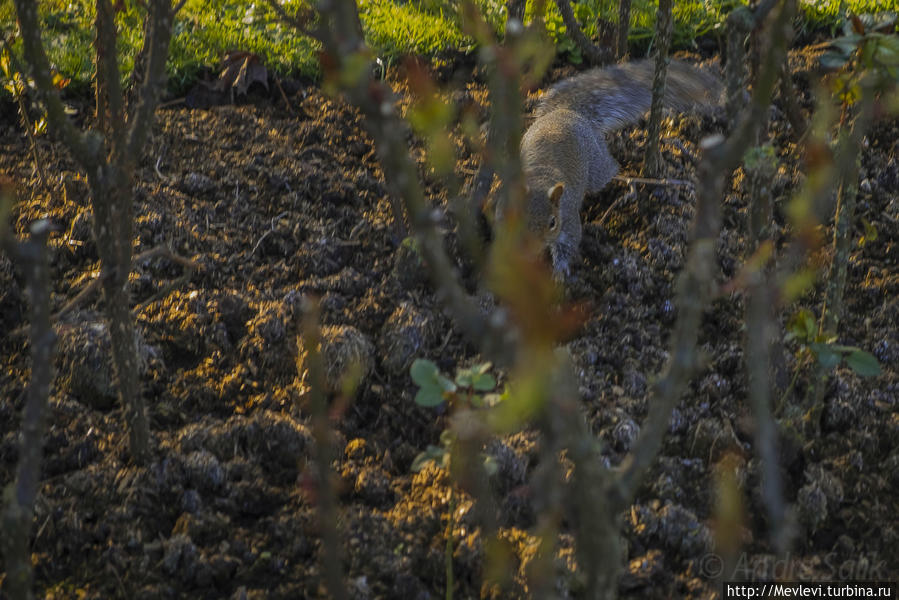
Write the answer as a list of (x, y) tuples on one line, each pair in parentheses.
[(544, 218)]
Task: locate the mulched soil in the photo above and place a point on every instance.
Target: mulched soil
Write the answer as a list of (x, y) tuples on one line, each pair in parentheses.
[(274, 204)]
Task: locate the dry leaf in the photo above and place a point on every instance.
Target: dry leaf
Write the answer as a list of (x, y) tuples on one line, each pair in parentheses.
[(241, 70)]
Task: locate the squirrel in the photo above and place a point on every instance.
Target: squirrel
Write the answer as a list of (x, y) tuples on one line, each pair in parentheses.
[(564, 153)]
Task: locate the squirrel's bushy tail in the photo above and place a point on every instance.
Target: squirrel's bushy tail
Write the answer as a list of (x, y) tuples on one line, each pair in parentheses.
[(617, 95)]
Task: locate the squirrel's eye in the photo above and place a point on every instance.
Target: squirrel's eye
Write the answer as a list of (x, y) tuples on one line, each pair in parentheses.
[(552, 222)]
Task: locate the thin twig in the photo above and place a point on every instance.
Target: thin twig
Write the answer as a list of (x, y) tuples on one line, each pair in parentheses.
[(594, 54), (301, 24), (267, 233), (721, 158), (158, 172), (165, 291), (330, 555), (90, 288), (172, 103), (29, 128), (605, 215), (284, 96), (650, 181), (17, 513)]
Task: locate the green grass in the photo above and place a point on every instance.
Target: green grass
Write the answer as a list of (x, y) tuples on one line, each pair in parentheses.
[(818, 14), (693, 19), (206, 29), (394, 30)]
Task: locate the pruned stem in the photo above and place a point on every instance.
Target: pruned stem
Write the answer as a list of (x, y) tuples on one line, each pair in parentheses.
[(19, 496)]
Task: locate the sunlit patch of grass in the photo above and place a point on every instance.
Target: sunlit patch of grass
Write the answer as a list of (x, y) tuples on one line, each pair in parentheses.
[(817, 14), (394, 29), (206, 30), (693, 19)]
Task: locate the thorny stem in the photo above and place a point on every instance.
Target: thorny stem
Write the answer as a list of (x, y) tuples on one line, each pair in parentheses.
[(19, 497), (624, 27), (110, 174), (448, 550), (592, 53), (330, 558), (694, 284), (664, 26)]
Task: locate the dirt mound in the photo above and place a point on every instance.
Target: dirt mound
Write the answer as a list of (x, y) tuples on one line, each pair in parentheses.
[(273, 204)]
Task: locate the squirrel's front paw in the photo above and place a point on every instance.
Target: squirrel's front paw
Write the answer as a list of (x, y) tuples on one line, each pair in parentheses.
[(561, 256), (561, 272)]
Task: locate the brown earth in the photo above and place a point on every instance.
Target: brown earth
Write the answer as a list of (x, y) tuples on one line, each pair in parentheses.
[(275, 203)]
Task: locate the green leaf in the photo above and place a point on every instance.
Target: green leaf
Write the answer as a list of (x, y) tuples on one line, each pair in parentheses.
[(411, 243), (802, 326), (797, 283), (842, 349), (886, 49), (870, 234), (471, 376), (863, 363), (445, 384), (429, 396), (484, 382), (463, 378), (827, 357), (833, 60), (424, 372), (848, 43), (759, 156), (431, 454)]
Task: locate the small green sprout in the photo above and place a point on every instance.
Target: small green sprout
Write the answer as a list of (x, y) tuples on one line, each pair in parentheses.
[(803, 329), (472, 388)]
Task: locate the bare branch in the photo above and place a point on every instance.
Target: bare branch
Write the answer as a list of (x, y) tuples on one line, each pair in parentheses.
[(790, 98), (627, 180), (110, 99), (312, 361), (377, 103), (624, 27), (300, 23), (664, 27), (156, 47), (189, 265), (696, 281), (592, 53), (19, 497), (849, 163)]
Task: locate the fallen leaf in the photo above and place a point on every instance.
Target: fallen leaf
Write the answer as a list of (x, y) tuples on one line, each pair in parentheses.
[(241, 70)]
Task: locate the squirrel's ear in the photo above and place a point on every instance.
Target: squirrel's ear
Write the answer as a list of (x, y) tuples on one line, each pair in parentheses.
[(555, 194)]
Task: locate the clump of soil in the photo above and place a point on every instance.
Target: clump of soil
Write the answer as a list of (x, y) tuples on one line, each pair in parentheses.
[(274, 204)]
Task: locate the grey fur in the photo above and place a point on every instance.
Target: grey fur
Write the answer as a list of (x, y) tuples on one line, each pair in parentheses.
[(566, 142)]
